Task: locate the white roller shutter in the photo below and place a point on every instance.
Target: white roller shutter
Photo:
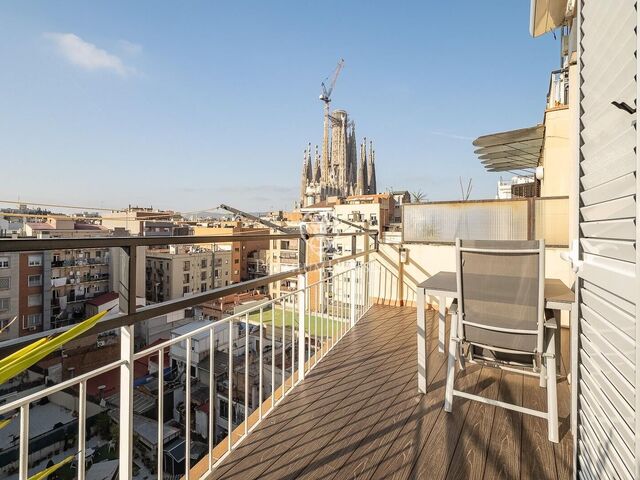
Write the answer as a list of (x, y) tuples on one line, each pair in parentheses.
[(608, 214)]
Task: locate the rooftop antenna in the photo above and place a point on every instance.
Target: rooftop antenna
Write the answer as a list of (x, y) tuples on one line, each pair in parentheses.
[(465, 193)]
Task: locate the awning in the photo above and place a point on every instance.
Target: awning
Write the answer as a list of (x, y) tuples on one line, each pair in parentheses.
[(547, 15), (512, 150)]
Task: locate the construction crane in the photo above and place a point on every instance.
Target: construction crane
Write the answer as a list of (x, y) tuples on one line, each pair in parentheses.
[(325, 96)]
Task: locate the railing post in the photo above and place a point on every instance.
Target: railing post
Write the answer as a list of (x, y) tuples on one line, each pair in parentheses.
[(23, 466), (127, 292), (302, 286), (367, 249), (352, 296), (400, 289)]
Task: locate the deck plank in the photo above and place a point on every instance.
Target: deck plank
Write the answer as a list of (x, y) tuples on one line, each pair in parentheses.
[(357, 414), (438, 450), (334, 368), (352, 389), (538, 461), (503, 455), (471, 452), (360, 441)]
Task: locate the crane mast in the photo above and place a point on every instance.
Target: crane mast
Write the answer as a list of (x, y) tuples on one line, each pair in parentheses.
[(325, 96)]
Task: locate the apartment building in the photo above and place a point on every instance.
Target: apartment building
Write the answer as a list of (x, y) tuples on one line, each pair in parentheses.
[(248, 256), (185, 270), (145, 222), (283, 257), (400, 197), (9, 297), (70, 276)]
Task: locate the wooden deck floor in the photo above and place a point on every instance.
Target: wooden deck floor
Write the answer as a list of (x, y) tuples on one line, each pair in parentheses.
[(358, 415)]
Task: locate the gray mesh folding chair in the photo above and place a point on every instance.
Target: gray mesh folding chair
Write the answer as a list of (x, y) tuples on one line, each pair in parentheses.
[(500, 318)]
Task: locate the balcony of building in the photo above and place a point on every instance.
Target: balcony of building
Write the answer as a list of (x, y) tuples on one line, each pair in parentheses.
[(359, 415), (329, 387)]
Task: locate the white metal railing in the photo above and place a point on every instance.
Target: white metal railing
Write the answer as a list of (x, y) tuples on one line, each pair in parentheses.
[(289, 334), (558, 89)]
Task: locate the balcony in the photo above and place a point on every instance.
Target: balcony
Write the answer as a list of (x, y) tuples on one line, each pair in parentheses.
[(336, 392), (358, 414)]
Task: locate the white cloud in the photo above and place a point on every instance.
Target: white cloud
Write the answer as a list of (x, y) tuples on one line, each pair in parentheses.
[(455, 136), (87, 55), (130, 48)]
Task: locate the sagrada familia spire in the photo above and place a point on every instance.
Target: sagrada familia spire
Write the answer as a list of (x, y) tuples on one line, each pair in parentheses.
[(338, 172)]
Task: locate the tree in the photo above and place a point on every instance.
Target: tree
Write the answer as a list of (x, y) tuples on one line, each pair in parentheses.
[(419, 196)]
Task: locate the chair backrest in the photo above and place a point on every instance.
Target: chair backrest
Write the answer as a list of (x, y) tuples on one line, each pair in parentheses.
[(501, 288)]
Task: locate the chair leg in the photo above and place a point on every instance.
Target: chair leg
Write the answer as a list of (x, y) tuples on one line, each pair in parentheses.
[(460, 352), (552, 389), (451, 363)]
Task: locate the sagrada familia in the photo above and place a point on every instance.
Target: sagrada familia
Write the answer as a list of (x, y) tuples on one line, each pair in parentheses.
[(337, 172)]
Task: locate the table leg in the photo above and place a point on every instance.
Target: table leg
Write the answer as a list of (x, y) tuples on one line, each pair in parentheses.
[(558, 316), (422, 339), (442, 308)]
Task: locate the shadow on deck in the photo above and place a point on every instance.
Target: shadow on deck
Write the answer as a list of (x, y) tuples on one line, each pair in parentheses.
[(358, 415)]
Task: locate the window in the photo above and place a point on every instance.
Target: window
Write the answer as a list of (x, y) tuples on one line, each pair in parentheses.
[(203, 275), (186, 278), (98, 254), (5, 283), (4, 304), (34, 300), (34, 320), (4, 323), (185, 289), (216, 273), (236, 261), (35, 260), (34, 280), (203, 287), (186, 266), (4, 262), (203, 263)]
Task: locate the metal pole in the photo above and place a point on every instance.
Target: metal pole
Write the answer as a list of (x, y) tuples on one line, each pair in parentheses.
[(82, 428), (260, 366), (229, 389), (160, 412), (246, 374), (187, 410), (352, 296), (24, 443), (212, 392), (128, 304), (302, 286)]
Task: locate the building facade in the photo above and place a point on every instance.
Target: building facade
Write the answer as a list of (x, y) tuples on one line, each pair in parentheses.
[(185, 270)]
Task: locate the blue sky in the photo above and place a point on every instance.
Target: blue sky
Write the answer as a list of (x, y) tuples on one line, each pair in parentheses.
[(185, 105)]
